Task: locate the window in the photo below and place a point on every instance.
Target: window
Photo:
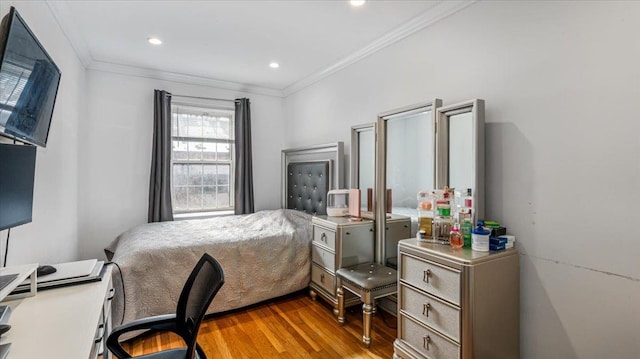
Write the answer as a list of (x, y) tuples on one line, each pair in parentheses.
[(202, 159)]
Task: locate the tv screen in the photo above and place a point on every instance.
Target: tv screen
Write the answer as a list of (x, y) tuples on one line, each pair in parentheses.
[(28, 83), (17, 170)]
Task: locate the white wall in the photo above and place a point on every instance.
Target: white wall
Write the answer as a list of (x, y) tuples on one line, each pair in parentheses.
[(560, 80), (115, 152), (52, 236)]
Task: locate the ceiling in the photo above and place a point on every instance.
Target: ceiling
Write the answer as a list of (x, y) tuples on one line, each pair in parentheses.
[(233, 42)]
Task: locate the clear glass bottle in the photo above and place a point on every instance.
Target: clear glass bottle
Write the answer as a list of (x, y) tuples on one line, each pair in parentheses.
[(455, 237)]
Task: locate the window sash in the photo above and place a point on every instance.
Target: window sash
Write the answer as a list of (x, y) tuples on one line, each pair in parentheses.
[(214, 196)]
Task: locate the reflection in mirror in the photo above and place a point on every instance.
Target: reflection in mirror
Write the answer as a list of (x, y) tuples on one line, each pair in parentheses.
[(410, 159), (363, 163), (460, 151), (405, 165)]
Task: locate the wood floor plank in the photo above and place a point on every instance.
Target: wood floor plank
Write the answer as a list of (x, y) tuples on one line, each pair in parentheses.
[(294, 326)]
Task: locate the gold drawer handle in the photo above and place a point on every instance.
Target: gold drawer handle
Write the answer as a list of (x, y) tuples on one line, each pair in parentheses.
[(323, 237), (426, 307), (322, 277), (426, 275), (426, 341)]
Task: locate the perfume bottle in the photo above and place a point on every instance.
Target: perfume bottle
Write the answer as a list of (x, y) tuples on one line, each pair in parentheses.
[(455, 237)]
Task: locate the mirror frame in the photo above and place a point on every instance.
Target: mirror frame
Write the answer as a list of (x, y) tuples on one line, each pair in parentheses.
[(380, 201), (476, 108), (355, 156)]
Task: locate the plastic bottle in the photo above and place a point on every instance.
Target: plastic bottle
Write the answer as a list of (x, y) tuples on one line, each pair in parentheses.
[(466, 232), (480, 238), (455, 237)]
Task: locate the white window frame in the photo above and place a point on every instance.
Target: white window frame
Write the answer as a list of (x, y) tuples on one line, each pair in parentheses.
[(197, 213)]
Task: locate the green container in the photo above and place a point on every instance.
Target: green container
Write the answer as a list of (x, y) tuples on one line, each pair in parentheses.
[(467, 227)]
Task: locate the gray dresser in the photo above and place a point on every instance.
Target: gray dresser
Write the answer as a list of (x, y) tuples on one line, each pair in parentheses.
[(457, 303), (338, 242)]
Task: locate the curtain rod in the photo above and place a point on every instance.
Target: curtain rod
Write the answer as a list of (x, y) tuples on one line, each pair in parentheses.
[(204, 98)]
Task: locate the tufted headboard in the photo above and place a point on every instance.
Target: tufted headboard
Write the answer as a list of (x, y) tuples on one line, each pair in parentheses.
[(307, 186), (308, 173)]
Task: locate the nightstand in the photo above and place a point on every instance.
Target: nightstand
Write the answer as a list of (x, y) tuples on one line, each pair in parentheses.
[(338, 242)]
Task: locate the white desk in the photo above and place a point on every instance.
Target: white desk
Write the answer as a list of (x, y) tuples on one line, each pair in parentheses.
[(69, 322)]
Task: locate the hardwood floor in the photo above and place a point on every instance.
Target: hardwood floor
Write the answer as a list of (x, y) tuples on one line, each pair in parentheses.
[(291, 327)]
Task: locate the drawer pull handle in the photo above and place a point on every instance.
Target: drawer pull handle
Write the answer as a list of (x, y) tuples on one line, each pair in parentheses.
[(370, 229), (100, 335), (112, 293), (426, 341), (426, 307), (323, 237), (348, 233), (322, 277), (427, 274)]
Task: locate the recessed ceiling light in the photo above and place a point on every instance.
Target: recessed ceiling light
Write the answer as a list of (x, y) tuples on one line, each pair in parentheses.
[(274, 65), (154, 41), (357, 2)]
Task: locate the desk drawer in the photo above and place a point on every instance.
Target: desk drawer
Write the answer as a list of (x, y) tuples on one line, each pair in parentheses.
[(435, 279), (430, 311), (326, 237), (324, 279), (427, 342), (323, 257)]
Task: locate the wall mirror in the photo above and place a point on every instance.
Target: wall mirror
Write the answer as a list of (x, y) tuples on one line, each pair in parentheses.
[(405, 161), (363, 153), (460, 151)]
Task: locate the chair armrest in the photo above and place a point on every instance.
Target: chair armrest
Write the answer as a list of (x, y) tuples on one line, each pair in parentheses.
[(165, 322)]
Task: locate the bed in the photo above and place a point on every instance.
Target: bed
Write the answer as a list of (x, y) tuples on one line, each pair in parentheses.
[(264, 255)]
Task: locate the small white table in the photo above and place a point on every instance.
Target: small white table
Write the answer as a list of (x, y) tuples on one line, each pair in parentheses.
[(67, 322)]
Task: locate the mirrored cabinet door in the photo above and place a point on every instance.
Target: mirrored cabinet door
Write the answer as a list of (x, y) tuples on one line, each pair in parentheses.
[(460, 151)]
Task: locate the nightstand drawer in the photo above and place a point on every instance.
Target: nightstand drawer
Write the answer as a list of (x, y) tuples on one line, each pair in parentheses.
[(323, 278), (326, 237), (323, 257), (430, 311), (427, 342), (435, 279)]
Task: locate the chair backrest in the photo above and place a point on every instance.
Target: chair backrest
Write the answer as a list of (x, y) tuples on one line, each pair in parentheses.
[(203, 283)]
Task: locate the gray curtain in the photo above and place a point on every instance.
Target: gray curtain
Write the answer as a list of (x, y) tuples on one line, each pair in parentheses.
[(244, 173), (160, 208)]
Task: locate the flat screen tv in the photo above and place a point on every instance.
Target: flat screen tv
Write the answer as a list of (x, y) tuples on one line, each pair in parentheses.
[(29, 82), (17, 170)]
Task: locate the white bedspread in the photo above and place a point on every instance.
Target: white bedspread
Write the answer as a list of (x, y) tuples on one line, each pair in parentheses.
[(264, 255)]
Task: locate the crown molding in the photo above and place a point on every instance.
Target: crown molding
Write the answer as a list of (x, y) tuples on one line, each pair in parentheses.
[(427, 18), (62, 14), (178, 77)]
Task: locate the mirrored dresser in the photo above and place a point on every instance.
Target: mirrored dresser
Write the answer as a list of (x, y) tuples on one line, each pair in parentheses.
[(457, 303)]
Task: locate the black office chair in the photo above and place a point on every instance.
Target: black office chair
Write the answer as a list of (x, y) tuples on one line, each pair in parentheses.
[(203, 283)]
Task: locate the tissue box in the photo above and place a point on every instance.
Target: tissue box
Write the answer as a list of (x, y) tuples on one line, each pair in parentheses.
[(338, 203)]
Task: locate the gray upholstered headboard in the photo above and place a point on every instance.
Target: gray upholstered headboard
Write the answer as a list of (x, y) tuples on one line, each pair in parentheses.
[(307, 186), (308, 173)]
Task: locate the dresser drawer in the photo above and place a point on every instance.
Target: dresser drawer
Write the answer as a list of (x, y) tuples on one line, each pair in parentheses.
[(435, 279), (430, 311), (323, 236), (324, 279), (427, 342), (323, 257)]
